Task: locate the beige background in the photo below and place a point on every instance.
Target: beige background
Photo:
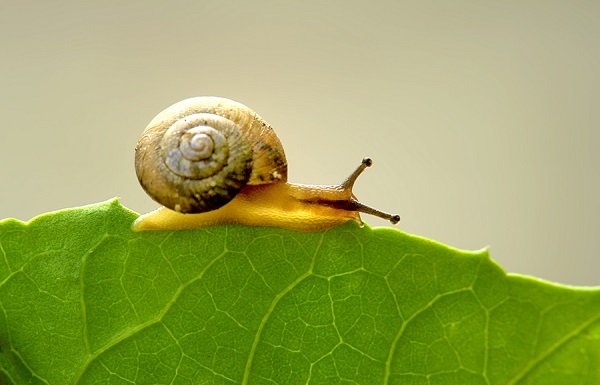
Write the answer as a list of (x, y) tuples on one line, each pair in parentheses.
[(482, 117)]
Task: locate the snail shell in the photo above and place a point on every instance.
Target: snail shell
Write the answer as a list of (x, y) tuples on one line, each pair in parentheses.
[(196, 155)]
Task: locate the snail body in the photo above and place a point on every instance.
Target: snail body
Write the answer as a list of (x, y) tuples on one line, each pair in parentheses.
[(212, 161)]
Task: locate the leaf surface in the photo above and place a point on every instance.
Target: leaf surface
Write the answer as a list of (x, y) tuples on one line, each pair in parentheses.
[(84, 300)]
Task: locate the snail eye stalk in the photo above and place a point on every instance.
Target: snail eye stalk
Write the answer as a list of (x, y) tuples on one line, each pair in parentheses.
[(355, 205)]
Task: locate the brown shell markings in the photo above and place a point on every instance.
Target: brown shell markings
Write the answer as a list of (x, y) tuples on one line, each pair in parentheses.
[(197, 154)]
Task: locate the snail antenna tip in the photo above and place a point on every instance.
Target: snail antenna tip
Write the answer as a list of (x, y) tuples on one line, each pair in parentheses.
[(349, 182)]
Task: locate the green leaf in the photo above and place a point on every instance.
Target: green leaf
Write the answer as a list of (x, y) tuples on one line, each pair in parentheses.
[(84, 300)]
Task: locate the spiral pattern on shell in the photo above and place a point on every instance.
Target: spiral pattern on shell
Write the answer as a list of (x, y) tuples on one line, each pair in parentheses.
[(199, 153)]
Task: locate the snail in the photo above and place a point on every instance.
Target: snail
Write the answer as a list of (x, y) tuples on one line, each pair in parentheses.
[(213, 161)]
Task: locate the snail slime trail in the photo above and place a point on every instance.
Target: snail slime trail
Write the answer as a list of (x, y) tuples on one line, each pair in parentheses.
[(213, 161)]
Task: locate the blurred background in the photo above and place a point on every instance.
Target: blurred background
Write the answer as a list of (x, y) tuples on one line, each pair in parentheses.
[(482, 118)]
